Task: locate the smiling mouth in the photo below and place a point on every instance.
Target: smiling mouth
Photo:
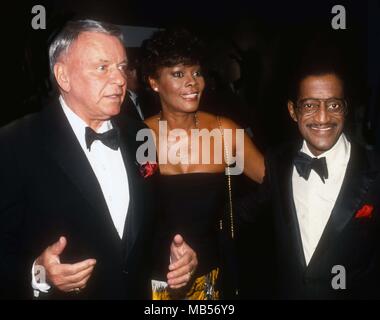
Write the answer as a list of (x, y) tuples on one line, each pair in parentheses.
[(190, 96), (322, 129)]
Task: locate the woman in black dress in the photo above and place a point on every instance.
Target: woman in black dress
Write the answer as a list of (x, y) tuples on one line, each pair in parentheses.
[(195, 195)]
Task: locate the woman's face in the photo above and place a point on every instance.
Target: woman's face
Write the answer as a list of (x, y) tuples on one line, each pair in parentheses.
[(180, 87)]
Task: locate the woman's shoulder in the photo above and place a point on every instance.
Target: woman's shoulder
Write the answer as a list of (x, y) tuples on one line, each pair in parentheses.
[(152, 121)]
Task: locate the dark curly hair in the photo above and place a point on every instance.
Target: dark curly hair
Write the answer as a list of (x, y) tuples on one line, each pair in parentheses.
[(167, 48)]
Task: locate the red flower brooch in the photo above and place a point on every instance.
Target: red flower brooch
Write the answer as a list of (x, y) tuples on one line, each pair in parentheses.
[(364, 212), (148, 169)]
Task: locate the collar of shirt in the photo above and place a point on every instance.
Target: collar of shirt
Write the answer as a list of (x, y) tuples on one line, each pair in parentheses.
[(337, 157), (79, 125)]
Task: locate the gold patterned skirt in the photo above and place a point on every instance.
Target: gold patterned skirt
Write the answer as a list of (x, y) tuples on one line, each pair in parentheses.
[(202, 288)]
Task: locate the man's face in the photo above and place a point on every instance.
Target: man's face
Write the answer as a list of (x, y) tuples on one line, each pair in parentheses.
[(92, 76), (132, 79), (322, 128)]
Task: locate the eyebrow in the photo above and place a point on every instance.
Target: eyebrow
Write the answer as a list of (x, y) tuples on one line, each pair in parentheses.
[(107, 61), (332, 98)]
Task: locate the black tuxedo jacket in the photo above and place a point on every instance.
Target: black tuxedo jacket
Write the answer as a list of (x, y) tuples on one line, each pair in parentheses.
[(48, 189), (147, 103), (348, 241), (129, 109)]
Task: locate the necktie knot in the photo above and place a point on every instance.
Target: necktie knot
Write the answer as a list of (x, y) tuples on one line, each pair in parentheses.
[(109, 138), (304, 164)]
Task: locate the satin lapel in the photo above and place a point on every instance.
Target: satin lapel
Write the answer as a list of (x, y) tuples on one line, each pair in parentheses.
[(285, 173), (356, 183), (130, 108), (63, 146), (128, 149)]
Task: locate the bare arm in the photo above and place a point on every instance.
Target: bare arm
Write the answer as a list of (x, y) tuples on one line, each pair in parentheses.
[(252, 160)]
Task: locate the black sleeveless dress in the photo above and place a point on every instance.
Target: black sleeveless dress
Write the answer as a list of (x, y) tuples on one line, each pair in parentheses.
[(191, 205)]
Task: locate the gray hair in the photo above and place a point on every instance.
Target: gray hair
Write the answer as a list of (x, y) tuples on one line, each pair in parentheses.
[(71, 32)]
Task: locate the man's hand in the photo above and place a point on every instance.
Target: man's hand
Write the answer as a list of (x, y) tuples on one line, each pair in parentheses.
[(183, 263), (65, 277)]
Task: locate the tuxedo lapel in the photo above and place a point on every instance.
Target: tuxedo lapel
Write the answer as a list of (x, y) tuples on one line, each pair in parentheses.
[(63, 146), (285, 171), (356, 183), (128, 149)]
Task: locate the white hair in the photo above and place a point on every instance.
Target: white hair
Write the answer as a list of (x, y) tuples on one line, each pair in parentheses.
[(70, 33)]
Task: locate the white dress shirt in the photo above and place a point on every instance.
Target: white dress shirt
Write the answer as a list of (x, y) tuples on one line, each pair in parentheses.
[(109, 169), (315, 200)]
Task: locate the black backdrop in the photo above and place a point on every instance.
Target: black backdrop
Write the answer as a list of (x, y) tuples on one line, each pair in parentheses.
[(276, 30)]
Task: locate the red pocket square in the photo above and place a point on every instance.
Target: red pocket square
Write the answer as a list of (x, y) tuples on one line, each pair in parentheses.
[(148, 169), (364, 212)]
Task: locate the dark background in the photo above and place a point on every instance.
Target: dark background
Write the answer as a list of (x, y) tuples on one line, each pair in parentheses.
[(266, 37)]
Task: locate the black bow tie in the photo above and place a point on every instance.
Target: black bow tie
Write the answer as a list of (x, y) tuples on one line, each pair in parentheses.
[(109, 138), (304, 164)]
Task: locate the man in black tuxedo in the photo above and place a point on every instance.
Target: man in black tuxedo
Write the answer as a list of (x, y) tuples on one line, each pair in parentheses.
[(324, 196), (132, 105), (76, 213), (138, 103)]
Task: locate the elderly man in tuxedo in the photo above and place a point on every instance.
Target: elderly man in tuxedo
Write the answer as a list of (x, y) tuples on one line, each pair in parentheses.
[(323, 193), (76, 214)]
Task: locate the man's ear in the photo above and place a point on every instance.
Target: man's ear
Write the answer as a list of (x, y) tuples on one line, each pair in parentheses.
[(60, 73), (292, 110), (153, 84)]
